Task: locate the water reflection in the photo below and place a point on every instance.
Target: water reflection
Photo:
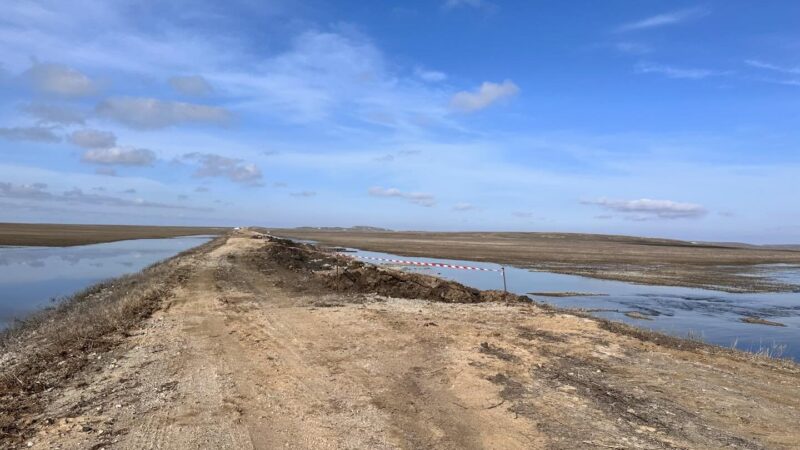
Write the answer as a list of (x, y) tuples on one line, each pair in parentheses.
[(31, 277), (713, 316)]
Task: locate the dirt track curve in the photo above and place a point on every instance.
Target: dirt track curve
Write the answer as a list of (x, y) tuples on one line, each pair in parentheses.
[(247, 353)]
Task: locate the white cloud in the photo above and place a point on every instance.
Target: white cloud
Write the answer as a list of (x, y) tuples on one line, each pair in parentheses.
[(35, 134), (645, 208), (33, 191), (340, 78), (661, 20), (449, 4), (89, 138), (463, 207), (39, 192), (119, 156), (774, 67), (194, 85), (417, 198), (151, 113), (234, 169), (676, 72), (487, 94), (106, 171), (303, 194), (60, 80), (431, 76), (54, 114)]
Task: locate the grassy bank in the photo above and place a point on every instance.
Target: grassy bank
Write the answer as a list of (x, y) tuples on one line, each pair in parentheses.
[(62, 235)]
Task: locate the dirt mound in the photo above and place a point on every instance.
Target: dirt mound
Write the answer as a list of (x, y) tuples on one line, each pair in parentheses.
[(298, 257), (341, 273)]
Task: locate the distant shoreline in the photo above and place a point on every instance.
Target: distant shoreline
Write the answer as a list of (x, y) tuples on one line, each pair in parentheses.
[(66, 235), (650, 261)]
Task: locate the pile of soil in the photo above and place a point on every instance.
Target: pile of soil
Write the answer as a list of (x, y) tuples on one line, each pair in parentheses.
[(298, 257), (343, 274)]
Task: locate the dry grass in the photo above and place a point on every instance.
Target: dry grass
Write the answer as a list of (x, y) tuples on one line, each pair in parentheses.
[(42, 351), (725, 267), (60, 235)]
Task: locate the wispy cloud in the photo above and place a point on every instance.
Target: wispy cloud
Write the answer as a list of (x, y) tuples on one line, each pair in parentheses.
[(34, 134), (40, 192), (234, 169), (122, 156), (152, 113), (33, 191), (487, 94), (677, 72), (665, 19), (790, 70), (632, 48), (793, 71), (60, 80), (194, 85), (47, 113), (303, 194), (92, 139), (431, 76), (645, 208), (417, 198), (464, 207), (450, 4)]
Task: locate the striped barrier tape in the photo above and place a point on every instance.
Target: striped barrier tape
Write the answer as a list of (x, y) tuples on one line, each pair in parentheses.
[(426, 264)]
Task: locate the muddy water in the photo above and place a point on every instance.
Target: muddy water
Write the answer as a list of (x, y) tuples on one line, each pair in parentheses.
[(32, 278), (712, 316)]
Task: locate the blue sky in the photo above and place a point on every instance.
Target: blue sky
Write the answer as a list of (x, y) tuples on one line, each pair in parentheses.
[(659, 118)]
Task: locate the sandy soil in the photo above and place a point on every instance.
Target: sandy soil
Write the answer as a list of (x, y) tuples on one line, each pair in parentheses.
[(61, 235), (726, 267), (247, 352)]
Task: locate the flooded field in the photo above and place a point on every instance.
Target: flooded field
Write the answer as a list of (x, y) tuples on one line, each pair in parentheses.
[(32, 278), (712, 316)]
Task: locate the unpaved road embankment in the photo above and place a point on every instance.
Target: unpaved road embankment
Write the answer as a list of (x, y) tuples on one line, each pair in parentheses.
[(260, 345)]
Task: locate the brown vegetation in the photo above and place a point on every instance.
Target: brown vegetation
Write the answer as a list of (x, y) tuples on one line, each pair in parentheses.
[(624, 258), (62, 235), (256, 345)]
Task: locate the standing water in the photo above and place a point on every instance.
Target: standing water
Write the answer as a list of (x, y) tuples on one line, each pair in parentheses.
[(711, 316), (32, 278)]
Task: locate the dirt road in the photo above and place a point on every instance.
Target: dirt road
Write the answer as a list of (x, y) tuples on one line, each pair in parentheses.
[(249, 351), (729, 267)]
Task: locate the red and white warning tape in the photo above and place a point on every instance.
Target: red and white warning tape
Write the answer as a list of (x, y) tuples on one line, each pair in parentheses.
[(426, 264)]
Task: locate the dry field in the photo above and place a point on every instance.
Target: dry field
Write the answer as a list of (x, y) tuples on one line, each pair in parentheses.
[(638, 260), (60, 235), (258, 343)]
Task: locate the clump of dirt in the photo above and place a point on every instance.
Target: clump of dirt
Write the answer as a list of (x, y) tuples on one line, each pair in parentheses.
[(497, 352), (343, 274)]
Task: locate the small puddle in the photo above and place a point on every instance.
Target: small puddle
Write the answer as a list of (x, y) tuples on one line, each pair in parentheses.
[(32, 278), (711, 316)]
